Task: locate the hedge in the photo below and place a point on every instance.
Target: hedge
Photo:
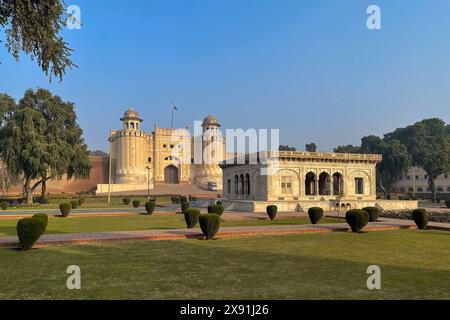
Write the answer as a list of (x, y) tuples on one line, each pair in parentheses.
[(80, 202), (272, 211), (43, 217), (4, 205), (185, 207), (447, 203), (74, 204), (150, 206), (136, 203), (315, 214), (357, 219), (191, 217), (126, 201), (373, 212), (65, 209), (29, 230), (216, 208), (420, 217), (210, 224)]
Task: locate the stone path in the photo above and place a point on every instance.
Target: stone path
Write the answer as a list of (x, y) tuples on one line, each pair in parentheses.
[(227, 232)]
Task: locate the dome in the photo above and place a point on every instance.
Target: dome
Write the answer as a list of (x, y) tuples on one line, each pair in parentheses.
[(131, 114), (210, 120)]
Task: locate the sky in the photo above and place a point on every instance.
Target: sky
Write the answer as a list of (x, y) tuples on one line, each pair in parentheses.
[(310, 68)]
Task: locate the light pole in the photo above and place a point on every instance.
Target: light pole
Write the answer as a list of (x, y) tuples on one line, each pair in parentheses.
[(148, 181), (110, 169)]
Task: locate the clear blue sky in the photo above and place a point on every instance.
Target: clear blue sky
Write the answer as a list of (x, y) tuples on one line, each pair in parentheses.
[(308, 67)]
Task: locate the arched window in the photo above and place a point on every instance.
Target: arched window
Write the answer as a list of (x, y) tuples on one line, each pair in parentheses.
[(419, 189), (247, 184), (242, 184), (132, 125), (324, 184), (310, 184), (236, 185), (440, 189), (338, 184)]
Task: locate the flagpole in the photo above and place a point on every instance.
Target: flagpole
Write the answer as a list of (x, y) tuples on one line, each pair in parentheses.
[(174, 108)]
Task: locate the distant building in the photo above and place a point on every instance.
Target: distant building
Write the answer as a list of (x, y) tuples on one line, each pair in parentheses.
[(297, 181), (164, 156), (416, 181)]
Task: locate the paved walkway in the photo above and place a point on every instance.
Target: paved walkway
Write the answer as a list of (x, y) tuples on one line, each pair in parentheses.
[(227, 232)]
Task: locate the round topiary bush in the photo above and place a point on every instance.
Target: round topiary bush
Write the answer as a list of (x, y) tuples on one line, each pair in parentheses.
[(447, 203), (136, 203), (357, 219), (216, 208), (191, 216), (43, 217), (150, 206), (272, 211), (126, 201), (4, 205), (65, 209), (74, 204), (315, 214), (420, 217), (210, 224), (29, 230), (373, 212), (185, 207)]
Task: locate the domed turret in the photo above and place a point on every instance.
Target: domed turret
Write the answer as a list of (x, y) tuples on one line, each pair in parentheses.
[(210, 121), (131, 119)]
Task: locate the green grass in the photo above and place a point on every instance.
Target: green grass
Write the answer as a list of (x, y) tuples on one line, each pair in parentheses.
[(135, 222), (414, 265)]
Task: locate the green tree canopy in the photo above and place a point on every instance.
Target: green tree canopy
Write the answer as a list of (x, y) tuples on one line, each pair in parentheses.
[(41, 140), (311, 147), (34, 27), (428, 142), (348, 149)]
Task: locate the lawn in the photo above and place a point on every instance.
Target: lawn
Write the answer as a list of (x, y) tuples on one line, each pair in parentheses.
[(414, 265), (136, 222)]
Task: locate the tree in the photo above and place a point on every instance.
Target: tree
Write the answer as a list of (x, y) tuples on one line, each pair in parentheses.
[(428, 142), (98, 153), (347, 149), (287, 148), (41, 140), (395, 163), (311, 147), (34, 27)]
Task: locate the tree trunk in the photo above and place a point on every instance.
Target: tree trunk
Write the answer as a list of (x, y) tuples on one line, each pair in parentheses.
[(44, 188), (433, 189), (27, 191)]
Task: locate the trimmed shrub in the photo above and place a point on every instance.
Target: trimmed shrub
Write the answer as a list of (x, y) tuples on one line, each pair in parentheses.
[(315, 214), (4, 205), (74, 204), (126, 201), (150, 206), (175, 199), (420, 217), (191, 216), (447, 203), (183, 199), (216, 208), (373, 212), (357, 219), (42, 199), (65, 209), (210, 224), (136, 203), (272, 212), (43, 217), (80, 202), (185, 207), (29, 230)]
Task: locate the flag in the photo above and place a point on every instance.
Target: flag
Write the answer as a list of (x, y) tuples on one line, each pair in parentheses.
[(175, 107)]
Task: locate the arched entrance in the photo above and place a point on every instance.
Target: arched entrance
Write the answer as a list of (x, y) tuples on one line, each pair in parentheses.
[(171, 175), (324, 184), (310, 184), (338, 184)]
